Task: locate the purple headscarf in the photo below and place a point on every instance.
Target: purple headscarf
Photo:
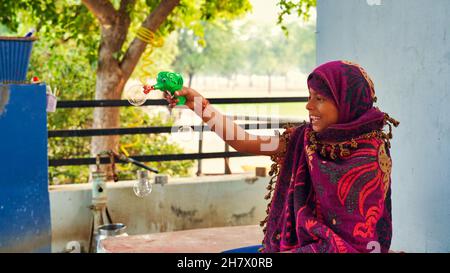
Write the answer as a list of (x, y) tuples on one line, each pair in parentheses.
[(334, 197), (353, 92)]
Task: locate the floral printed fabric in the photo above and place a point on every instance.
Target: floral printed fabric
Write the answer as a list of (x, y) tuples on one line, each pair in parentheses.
[(335, 197)]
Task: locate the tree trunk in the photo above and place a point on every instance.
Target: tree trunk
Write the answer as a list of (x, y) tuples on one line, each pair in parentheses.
[(286, 82), (109, 86), (229, 80), (112, 74), (235, 81), (191, 76)]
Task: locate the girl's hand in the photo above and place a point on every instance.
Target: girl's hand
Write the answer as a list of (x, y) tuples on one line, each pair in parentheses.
[(193, 98)]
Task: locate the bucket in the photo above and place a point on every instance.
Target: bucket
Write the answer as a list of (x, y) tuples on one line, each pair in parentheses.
[(109, 230), (15, 53)]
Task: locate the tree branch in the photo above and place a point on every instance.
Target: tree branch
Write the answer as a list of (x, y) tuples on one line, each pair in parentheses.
[(124, 4), (137, 47), (102, 9)]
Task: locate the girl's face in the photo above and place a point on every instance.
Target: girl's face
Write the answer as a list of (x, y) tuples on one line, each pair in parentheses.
[(322, 111)]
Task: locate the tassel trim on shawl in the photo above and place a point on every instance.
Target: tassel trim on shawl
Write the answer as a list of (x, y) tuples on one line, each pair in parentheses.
[(342, 149), (333, 151), (274, 172)]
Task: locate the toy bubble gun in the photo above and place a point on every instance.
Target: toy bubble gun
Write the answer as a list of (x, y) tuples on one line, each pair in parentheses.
[(168, 82)]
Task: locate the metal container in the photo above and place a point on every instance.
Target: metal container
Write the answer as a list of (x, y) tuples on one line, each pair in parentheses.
[(109, 230)]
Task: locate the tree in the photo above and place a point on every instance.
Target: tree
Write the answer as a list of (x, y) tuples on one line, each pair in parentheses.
[(296, 49), (301, 7), (262, 52), (306, 49), (224, 49), (102, 30), (218, 50), (109, 34), (283, 47), (62, 67), (189, 59)]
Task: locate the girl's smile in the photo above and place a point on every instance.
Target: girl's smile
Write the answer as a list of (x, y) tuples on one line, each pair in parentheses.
[(323, 112)]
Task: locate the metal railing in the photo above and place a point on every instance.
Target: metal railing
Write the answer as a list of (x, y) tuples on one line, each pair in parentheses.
[(168, 129)]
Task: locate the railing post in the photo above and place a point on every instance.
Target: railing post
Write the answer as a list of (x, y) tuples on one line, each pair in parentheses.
[(227, 160), (200, 150)]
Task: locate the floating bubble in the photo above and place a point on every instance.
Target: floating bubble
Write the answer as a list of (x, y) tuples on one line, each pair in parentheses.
[(142, 187), (136, 95), (185, 129)]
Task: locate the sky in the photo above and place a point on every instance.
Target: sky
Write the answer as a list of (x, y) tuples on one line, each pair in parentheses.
[(267, 11), (264, 10)]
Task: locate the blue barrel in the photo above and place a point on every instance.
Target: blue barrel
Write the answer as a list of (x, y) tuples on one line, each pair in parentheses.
[(15, 55), (25, 218)]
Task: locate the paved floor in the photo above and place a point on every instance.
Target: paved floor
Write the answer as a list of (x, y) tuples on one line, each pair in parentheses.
[(207, 240)]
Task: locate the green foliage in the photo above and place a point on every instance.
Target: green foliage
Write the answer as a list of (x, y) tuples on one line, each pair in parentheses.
[(304, 42), (219, 51), (247, 48), (277, 53), (13, 12), (263, 49), (71, 20), (153, 144), (224, 9), (224, 49), (5, 31), (156, 59), (66, 56), (56, 21), (190, 58), (63, 66), (301, 7), (190, 21)]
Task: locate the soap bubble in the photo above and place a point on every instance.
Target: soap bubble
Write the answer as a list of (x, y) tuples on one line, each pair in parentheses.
[(135, 95), (142, 189), (185, 129), (183, 132)]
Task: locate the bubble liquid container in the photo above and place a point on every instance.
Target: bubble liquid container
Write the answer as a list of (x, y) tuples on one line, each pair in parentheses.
[(15, 55)]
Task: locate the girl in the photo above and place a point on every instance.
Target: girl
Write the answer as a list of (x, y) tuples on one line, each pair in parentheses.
[(332, 191)]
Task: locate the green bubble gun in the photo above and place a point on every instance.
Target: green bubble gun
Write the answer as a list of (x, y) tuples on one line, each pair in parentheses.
[(168, 82)]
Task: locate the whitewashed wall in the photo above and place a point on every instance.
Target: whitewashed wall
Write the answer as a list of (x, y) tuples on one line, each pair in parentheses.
[(405, 47)]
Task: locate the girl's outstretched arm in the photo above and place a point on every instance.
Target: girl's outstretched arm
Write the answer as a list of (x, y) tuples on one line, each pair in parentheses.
[(226, 128)]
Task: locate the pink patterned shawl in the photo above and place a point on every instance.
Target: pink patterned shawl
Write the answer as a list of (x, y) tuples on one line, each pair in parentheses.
[(334, 197)]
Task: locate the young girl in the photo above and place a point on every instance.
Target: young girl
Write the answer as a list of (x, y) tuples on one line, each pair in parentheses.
[(332, 191)]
